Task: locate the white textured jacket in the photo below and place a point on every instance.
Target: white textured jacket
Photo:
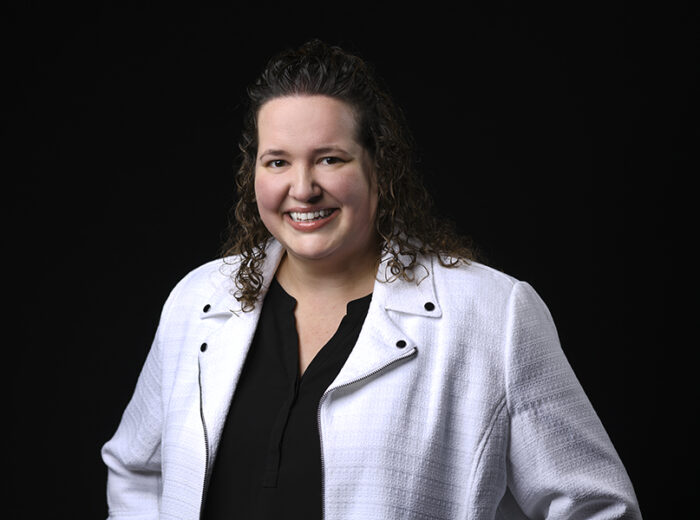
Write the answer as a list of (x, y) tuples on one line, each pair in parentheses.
[(463, 409)]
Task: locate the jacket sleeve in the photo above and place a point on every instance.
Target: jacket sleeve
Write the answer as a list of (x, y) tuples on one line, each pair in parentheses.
[(561, 462), (132, 455)]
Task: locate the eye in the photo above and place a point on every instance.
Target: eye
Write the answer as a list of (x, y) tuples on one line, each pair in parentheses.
[(276, 163), (331, 160)]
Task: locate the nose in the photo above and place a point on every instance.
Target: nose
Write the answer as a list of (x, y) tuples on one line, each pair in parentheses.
[(303, 186)]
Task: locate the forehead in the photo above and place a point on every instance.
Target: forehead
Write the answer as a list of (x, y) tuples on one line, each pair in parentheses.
[(295, 120)]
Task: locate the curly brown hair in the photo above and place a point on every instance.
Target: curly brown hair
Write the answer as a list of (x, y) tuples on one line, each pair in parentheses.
[(405, 220)]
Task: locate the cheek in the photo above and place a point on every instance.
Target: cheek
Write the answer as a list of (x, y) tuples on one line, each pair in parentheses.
[(361, 197), (266, 194), (365, 192), (258, 190)]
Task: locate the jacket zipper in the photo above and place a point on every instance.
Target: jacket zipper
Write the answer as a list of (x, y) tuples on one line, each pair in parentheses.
[(206, 444), (408, 354)]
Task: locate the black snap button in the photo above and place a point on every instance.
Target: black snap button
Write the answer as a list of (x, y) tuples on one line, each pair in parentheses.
[(203, 347), (429, 306), (401, 343), (206, 308)]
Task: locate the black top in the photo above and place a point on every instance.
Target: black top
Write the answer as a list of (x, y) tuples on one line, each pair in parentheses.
[(268, 464)]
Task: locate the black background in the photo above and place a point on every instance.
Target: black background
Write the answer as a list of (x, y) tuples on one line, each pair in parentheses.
[(120, 135)]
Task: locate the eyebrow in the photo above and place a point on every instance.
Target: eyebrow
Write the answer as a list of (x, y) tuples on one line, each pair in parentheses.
[(317, 151), (274, 153), (329, 149)]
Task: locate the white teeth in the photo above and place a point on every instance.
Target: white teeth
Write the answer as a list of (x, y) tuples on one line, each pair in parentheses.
[(311, 215)]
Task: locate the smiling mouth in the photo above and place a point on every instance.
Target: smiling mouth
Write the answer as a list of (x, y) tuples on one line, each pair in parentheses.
[(309, 216)]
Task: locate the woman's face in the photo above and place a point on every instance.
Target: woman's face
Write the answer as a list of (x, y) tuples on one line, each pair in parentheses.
[(314, 183)]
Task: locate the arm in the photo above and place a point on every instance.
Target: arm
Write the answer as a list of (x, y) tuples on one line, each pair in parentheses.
[(132, 455), (561, 462)]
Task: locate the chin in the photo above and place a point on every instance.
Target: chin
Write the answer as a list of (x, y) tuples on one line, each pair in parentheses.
[(309, 253)]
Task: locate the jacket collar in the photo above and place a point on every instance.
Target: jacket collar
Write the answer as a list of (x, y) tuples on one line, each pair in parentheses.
[(384, 338), (417, 296), (222, 301), (382, 341)]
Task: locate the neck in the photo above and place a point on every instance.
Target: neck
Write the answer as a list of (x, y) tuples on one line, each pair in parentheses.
[(349, 280)]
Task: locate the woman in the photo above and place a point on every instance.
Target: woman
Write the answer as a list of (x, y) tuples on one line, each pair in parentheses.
[(348, 358)]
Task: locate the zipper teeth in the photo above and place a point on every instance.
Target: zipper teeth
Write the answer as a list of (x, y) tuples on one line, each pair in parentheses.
[(206, 443), (408, 354)]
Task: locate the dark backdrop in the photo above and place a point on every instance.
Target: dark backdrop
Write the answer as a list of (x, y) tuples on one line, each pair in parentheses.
[(120, 137)]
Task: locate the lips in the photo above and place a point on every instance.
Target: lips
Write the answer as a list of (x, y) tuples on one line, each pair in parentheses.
[(298, 216), (310, 220)]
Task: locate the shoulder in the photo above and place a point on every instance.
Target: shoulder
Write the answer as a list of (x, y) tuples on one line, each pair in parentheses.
[(213, 283), (208, 283), (472, 280), (497, 304), (480, 290), (207, 277)]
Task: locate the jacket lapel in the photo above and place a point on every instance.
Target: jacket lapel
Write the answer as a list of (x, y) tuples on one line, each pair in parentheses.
[(383, 339), (381, 342), (231, 334)]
